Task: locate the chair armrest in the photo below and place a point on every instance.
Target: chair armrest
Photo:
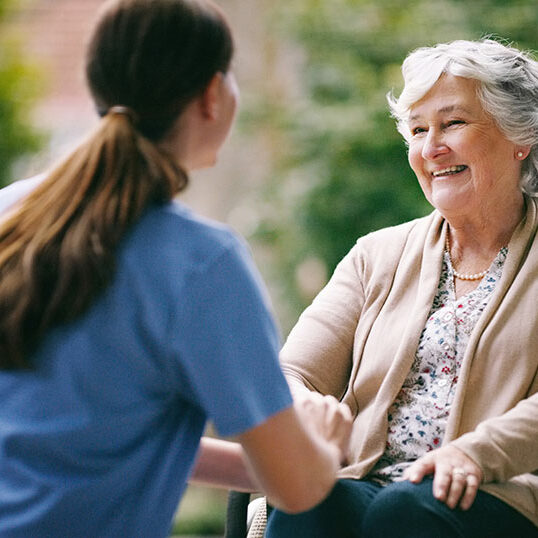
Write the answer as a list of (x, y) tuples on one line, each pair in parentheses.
[(236, 514)]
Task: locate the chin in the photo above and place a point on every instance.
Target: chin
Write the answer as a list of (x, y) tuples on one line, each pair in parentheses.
[(451, 197), (451, 203)]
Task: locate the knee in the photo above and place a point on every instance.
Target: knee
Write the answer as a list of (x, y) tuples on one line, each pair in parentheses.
[(304, 525), (329, 518), (401, 509)]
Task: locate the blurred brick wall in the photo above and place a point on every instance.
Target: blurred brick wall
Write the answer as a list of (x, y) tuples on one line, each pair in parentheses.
[(54, 34)]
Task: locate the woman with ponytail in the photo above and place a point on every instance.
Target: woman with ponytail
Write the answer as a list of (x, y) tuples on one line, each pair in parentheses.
[(127, 322)]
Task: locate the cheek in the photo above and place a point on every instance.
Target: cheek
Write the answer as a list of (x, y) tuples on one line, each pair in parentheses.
[(414, 157), (416, 162), (234, 96), (235, 106)]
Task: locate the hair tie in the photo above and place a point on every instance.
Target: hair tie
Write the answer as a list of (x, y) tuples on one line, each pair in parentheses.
[(123, 111)]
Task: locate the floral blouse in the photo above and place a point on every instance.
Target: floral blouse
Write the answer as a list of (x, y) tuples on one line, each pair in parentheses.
[(417, 418)]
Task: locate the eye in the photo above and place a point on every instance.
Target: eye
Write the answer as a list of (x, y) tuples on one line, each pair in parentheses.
[(454, 122), (417, 131)]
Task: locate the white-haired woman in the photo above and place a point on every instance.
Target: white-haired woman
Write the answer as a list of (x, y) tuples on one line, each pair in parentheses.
[(429, 330)]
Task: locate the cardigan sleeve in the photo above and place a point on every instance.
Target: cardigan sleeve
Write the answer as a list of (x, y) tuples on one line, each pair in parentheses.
[(318, 351), (507, 445)]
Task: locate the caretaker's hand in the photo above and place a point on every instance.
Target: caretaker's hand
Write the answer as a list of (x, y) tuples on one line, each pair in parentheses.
[(331, 419)]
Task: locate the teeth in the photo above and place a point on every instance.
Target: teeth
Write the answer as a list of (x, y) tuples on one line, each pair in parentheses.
[(449, 170)]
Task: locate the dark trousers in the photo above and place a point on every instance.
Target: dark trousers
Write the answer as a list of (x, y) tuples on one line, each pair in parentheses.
[(358, 508)]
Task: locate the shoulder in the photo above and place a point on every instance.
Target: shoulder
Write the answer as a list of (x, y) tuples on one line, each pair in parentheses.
[(176, 247), (173, 227), (169, 260), (376, 256), (381, 252), (389, 243), (382, 241)]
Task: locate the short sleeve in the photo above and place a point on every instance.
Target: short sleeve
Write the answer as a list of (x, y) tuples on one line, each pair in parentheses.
[(226, 344)]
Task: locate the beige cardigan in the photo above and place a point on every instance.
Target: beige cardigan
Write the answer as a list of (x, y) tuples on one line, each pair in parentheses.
[(358, 339)]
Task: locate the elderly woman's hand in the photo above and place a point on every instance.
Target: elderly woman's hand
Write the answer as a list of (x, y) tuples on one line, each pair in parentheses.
[(456, 476), (331, 419)]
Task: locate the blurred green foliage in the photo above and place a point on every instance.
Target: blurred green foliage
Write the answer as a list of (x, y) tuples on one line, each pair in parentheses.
[(343, 166), (201, 513), (19, 88)]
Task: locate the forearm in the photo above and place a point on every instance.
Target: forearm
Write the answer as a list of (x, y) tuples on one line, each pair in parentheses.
[(295, 465), (222, 464)]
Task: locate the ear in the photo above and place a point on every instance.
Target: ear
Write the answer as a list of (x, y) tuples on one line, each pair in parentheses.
[(209, 100)]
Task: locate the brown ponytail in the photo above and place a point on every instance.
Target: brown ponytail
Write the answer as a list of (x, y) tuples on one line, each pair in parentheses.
[(57, 247)]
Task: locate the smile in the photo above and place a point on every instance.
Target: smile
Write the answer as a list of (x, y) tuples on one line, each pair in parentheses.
[(449, 170)]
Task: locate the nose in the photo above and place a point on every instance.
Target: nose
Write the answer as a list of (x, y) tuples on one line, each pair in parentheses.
[(434, 145)]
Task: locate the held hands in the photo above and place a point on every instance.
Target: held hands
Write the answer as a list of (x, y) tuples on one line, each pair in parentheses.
[(330, 419), (456, 476)]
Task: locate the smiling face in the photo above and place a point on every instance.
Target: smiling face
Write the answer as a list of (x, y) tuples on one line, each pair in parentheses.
[(463, 162)]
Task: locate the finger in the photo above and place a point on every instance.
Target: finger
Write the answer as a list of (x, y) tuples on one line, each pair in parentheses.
[(442, 481), (346, 422), (346, 412), (331, 419), (418, 470), (337, 417), (340, 425), (344, 415), (470, 492), (458, 485), (414, 474), (310, 405), (332, 413)]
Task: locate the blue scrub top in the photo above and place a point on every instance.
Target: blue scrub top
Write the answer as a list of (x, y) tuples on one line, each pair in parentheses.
[(100, 438)]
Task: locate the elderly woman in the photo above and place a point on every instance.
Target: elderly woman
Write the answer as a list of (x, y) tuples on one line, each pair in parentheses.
[(429, 330)]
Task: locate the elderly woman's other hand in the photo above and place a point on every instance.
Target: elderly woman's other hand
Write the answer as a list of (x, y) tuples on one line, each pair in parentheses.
[(456, 476), (330, 418)]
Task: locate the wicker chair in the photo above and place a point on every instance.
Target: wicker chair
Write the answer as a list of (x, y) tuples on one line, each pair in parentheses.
[(245, 519)]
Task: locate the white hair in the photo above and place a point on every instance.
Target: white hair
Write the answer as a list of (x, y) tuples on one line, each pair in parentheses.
[(508, 90)]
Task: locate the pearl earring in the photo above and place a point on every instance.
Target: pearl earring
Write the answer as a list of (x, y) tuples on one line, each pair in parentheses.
[(519, 154)]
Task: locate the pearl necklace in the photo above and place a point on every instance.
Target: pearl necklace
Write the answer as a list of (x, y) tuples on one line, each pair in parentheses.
[(463, 276)]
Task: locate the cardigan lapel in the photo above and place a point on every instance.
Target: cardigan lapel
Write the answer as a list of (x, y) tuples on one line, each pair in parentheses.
[(428, 280), (517, 251), (425, 250)]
